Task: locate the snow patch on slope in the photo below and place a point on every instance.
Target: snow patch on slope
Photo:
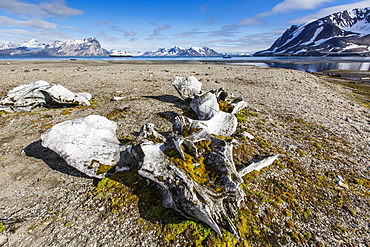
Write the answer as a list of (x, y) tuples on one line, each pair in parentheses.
[(317, 32)]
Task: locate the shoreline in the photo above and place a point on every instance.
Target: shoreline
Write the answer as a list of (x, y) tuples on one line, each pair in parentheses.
[(288, 59)]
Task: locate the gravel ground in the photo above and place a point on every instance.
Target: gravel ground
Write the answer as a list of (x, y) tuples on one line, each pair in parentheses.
[(319, 128)]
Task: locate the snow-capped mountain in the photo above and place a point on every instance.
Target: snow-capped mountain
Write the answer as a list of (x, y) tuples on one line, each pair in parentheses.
[(345, 33), (85, 47), (8, 45), (33, 45), (182, 52)]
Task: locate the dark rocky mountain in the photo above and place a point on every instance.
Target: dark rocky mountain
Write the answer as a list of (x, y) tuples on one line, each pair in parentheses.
[(86, 47), (182, 52), (345, 33)]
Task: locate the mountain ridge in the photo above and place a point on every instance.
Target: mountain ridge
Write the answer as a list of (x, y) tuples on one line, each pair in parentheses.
[(182, 52), (345, 33), (90, 47), (85, 47)]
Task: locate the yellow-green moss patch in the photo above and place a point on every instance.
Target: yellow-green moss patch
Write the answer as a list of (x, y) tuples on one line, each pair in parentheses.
[(2, 227)]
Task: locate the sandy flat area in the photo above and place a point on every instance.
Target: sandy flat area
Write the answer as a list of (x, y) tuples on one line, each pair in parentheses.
[(320, 130)]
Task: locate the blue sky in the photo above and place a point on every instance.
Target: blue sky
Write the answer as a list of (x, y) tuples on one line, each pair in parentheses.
[(143, 25)]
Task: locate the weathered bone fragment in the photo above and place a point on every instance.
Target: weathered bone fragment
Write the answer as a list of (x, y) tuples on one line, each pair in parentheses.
[(222, 124), (193, 169), (258, 164), (205, 105), (88, 144), (148, 133), (341, 182), (247, 135), (205, 186), (237, 103), (187, 87), (41, 93), (175, 144), (220, 94)]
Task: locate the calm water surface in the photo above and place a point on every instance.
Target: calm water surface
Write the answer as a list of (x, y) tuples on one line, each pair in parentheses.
[(315, 67), (308, 64)]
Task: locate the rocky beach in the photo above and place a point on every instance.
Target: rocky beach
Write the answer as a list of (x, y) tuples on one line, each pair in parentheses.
[(316, 194)]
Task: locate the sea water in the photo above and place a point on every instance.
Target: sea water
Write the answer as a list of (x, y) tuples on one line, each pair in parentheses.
[(308, 64)]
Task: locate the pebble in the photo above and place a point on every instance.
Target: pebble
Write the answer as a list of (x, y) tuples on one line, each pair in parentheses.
[(3, 240)]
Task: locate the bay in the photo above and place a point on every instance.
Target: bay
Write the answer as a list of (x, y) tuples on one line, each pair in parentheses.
[(308, 64)]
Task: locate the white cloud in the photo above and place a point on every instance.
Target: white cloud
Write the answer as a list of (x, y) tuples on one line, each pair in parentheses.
[(35, 23), (129, 33), (283, 7), (16, 7), (75, 29), (45, 9), (59, 8), (249, 21), (327, 11), (291, 5), (157, 31), (102, 34), (101, 22), (209, 21), (115, 28), (203, 8), (20, 35), (190, 34), (226, 32)]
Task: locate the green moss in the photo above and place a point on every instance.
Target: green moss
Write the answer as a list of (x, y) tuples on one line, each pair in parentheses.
[(154, 139), (44, 127), (118, 112), (340, 228), (194, 167), (107, 183), (125, 139), (317, 145), (295, 236), (362, 182), (198, 233), (244, 114), (301, 152), (67, 111), (306, 234), (188, 131), (225, 138), (197, 168), (241, 118), (350, 210), (203, 146), (103, 169), (2, 227), (122, 189), (225, 106), (93, 103), (67, 224)]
